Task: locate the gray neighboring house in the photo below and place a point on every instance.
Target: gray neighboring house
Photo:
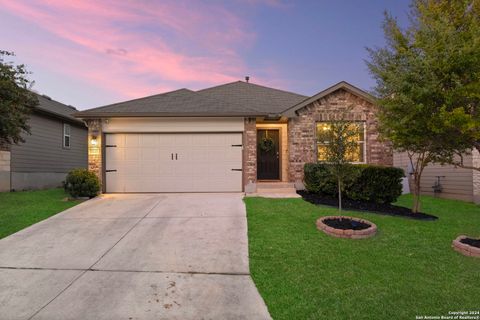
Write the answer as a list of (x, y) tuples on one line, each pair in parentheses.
[(57, 144)]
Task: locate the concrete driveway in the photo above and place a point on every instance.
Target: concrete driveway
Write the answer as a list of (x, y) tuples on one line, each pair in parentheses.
[(133, 256)]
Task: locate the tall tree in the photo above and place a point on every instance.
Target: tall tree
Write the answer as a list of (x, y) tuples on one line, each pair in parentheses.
[(341, 139), (427, 81), (16, 100)]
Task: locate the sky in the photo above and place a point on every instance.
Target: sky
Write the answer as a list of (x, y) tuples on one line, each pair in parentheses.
[(89, 53)]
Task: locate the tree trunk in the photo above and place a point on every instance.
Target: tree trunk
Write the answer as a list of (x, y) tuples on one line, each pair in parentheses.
[(416, 194), (339, 196)]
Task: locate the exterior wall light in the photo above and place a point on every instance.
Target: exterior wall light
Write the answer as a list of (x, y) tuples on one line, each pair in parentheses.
[(93, 141)]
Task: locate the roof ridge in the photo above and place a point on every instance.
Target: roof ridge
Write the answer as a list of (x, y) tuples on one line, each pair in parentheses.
[(253, 84)]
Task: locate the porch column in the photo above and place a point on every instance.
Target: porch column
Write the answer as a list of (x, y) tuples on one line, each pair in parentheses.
[(250, 155), (95, 147)]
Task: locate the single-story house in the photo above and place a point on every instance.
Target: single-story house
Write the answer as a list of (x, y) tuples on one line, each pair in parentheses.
[(228, 138), (57, 144)]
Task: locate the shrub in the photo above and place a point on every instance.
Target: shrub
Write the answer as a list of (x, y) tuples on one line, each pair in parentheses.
[(377, 183), (367, 182), (82, 183), (318, 179)]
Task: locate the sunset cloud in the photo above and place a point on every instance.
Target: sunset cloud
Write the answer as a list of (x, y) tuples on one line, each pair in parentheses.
[(139, 47)]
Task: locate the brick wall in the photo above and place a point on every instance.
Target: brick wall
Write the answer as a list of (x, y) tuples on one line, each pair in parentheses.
[(302, 135), (95, 151), (250, 155)]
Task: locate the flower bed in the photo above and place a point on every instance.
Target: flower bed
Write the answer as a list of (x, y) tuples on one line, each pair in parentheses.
[(467, 246), (346, 227)]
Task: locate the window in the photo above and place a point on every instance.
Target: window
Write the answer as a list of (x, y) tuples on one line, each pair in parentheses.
[(322, 142), (66, 135)]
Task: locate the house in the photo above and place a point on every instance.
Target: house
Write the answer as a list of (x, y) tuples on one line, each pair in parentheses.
[(57, 144), (233, 137), (446, 181)]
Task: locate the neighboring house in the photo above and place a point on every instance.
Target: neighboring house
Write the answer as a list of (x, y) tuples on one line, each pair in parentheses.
[(231, 137), (57, 144), (446, 181)]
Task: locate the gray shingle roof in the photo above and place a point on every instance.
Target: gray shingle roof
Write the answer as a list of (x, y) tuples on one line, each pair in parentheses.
[(55, 108), (231, 99), (262, 99), (179, 102)]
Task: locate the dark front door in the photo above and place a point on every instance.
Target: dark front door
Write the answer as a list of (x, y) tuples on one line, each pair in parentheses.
[(268, 154)]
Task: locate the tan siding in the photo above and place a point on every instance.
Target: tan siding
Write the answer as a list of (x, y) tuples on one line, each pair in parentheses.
[(457, 183), (43, 150)]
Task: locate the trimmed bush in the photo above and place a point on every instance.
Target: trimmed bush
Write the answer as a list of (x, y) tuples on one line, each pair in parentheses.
[(318, 179), (82, 183), (367, 182)]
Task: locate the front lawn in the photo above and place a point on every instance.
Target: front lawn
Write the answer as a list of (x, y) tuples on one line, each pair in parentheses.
[(407, 269), (19, 210)]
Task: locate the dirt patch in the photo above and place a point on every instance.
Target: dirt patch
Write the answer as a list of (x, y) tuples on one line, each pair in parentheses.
[(345, 224)]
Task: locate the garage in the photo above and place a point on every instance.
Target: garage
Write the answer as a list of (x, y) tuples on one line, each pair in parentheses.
[(173, 162)]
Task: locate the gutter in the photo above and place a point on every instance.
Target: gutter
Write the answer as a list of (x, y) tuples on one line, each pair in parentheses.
[(92, 115)]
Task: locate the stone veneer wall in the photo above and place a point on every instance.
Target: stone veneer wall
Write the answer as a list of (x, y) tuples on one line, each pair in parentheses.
[(95, 152), (302, 131), (250, 155)]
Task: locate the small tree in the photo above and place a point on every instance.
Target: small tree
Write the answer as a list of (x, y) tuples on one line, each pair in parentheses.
[(341, 145), (16, 100), (428, 84)]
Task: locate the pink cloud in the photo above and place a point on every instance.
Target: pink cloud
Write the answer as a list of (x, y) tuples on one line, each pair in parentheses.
[(136, 48)]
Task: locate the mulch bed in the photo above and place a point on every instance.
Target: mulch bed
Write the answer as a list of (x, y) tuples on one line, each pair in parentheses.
[(345, 224), (471, 242), (380, 208)]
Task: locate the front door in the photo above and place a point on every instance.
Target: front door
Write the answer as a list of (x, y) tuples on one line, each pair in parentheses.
[(268, 154)]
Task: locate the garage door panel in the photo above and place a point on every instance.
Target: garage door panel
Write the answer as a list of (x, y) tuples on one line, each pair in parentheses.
[(132, 154), (203, 163), (115, 154), (184, 170), (234, 139), (149, 154), (132, 140), (165, 140), (149, 169), (183, 139), (115, 182), (115, 139), (200, 154), (148, 140)]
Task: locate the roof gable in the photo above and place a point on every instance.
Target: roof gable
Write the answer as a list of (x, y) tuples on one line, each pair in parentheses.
[(291, 112)]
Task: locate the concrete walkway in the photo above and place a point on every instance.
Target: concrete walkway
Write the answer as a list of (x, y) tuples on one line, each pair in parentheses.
[(133, 256)]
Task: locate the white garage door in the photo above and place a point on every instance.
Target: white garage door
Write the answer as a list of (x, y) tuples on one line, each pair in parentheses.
[(179, 162)]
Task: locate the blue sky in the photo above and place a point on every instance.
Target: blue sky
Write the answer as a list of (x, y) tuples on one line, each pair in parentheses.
[(90, 53)]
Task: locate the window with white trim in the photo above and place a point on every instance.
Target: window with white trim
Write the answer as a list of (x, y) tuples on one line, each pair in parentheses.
[(322, 142), (66, 135)]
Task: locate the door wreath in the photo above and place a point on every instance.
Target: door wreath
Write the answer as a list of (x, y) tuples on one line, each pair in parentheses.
[(266, 144)]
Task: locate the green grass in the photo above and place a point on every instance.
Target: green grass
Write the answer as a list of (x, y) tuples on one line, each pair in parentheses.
[(407, 269), (19, 210)]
